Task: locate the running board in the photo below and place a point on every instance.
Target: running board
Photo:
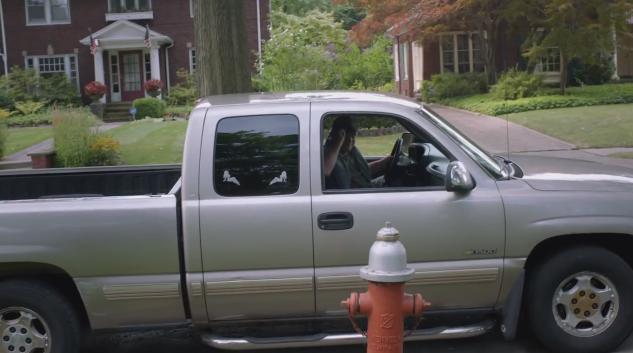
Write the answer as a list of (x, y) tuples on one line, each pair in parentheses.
[(323, 340)]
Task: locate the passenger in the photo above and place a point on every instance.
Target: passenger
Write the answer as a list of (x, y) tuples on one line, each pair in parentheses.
[(344, 166)]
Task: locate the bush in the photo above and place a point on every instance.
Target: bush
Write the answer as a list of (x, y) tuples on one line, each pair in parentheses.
[(30, 120), (449, 85), (149, 107), (575, 97), (29, 107), (22, 85), (73, 135), (104, 151), (3, 136), (6, 102), (580, 73), (516, 84), (57, 89), (185, 92)]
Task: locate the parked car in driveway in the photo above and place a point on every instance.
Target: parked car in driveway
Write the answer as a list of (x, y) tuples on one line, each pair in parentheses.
[(251, 242)]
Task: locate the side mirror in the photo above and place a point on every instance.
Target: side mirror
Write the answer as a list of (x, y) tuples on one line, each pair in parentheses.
[(458, 178)]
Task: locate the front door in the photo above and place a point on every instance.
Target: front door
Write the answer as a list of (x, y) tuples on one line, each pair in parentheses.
[(132, 85), (454, 241)]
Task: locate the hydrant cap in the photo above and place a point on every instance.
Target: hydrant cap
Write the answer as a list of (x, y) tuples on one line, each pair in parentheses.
[(387, 258)]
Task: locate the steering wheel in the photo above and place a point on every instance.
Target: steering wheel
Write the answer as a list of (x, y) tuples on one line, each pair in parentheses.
[(392, 168)]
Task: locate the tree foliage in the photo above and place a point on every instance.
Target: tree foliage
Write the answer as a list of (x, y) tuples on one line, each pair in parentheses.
[(580, 29), (312, 52)]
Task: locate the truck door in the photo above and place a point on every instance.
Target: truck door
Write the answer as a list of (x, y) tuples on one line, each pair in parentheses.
[(454, 241), (255, 218)]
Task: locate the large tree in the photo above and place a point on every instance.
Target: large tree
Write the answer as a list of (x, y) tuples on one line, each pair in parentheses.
[(223, 60), (579, 29)]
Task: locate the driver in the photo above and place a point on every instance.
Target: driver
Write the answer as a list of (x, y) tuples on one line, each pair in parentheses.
[(344, 165)]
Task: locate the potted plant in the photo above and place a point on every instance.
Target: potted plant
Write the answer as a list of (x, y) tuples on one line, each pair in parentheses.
[(154, 87), (95, 91)]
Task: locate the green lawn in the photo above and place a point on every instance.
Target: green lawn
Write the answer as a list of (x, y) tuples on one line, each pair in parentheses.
[(622, 155), (586, 127), (376, 145), (151, 141), (21, 138)]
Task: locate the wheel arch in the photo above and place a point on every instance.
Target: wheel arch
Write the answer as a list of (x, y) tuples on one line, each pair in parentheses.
[(617, 243), (53, 277)]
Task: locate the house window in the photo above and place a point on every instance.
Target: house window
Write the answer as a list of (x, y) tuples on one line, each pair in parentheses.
[(461, 53), (148, 66), (192, 60), (192, 7), (550, 62), (47, 12), (257, 156), (403, 56), (50, 65), (114, 73), (121, 6)]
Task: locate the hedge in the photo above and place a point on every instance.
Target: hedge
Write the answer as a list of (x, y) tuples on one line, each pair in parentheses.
[(576, 97)]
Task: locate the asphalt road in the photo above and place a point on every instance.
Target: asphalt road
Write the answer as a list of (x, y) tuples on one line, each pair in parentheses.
[(186, 341)]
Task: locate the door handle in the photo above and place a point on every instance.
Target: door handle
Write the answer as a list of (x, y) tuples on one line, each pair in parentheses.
[(335, 221)]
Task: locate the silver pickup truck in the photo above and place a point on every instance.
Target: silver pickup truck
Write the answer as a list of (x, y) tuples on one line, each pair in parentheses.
[(260, 234)]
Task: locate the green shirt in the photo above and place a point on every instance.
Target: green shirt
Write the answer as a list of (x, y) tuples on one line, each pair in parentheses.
[(355, 169)]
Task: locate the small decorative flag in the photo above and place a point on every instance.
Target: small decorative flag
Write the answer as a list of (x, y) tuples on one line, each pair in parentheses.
[(94, 44), (148, 42)]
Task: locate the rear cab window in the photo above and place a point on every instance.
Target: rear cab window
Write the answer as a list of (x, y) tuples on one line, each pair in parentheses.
[(257, 156)]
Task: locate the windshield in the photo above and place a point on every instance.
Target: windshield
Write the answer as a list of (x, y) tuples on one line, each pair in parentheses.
[(474, 151)]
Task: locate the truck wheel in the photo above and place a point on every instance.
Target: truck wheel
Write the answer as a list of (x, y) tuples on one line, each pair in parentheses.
[(581, 300), (36, 319)]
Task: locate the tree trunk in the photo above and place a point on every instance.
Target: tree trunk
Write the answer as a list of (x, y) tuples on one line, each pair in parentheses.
[(563, 73), (221, 47)]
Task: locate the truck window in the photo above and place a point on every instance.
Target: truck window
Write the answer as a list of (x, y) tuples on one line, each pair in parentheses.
[(375, 151), (257, 155)]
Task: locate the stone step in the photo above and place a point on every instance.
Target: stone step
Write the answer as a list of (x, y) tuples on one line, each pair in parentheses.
[(112, 117)]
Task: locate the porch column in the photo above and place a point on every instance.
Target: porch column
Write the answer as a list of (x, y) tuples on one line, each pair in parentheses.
[(99, 70), (155, 63)]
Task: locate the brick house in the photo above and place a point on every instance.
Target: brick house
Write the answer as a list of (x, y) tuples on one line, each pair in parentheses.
[(460, 52), (53, 36)]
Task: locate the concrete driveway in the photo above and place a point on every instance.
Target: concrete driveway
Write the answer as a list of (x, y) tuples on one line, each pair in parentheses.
[(186, 341)]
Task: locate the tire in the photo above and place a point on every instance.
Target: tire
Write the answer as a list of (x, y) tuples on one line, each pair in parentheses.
[(581, 300), (36, 318)]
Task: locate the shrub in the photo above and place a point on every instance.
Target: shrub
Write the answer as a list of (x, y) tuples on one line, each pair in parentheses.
[(30, 120), (3, 136), (580, 73), (95, 90), (105, 150), (29, 107), (149, 107), (6, 102), (57, 89), (22, 85), (73, 135), (449, 85), (185, 92), (516, 84)]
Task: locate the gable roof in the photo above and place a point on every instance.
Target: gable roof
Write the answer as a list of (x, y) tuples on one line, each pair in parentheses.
[(124, 32)]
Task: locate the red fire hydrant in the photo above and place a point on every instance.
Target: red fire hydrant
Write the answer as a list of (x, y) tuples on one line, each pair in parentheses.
[(386, 304)]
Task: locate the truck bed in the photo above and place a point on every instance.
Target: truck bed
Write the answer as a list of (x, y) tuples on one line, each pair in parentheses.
[(87, 182)]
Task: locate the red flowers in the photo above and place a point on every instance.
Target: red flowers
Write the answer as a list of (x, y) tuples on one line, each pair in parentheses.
[(153, 87), (95, 90)]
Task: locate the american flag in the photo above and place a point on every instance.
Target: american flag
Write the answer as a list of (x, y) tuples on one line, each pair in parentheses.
[(94, 44), (148, 42)]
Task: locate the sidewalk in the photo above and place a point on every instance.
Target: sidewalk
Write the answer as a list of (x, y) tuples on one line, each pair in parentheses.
[(493, 134)]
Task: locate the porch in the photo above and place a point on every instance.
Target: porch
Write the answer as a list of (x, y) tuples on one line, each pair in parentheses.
[(127, 55)]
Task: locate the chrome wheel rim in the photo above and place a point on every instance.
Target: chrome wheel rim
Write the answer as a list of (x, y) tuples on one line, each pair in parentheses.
[(585, 304), (23, 331)]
